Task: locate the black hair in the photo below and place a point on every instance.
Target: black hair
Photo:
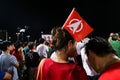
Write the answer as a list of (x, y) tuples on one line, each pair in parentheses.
[(31, 45), (99, 46), (41, 40), (18, 44), (4, 45)]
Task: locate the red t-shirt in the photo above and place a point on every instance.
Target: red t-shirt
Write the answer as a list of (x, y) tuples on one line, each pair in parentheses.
[(111, 73), (17, 54), (62, 71)]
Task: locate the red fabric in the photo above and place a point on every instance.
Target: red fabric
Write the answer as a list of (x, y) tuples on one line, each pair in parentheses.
[(12, 51), (111, 73), (17, 55), (62, 71), (75, 56), (76, 26), (39, 70)]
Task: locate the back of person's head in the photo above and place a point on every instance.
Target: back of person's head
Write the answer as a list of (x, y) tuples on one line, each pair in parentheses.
[(31, 45), (4, 45), (18, 44), (60, 38), (41, 40), (25, 44), (99, 46)]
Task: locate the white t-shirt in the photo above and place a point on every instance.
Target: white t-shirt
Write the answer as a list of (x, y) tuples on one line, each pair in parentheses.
[(89, 70), (81, 51), (42, 50)]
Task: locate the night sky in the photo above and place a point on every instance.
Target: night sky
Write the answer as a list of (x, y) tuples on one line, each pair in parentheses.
[(42, 15)]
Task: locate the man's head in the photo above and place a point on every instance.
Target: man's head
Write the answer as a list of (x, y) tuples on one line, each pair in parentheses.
[(31, 45), (97, 49), (41, 40), (6, 45)]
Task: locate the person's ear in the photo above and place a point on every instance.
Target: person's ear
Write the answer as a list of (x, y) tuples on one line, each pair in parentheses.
[(70, 43), (91, 53)]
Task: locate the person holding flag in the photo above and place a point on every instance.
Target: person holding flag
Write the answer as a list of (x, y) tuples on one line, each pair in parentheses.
[(64, 38), (77, 27), (59, 68), (79, 30)]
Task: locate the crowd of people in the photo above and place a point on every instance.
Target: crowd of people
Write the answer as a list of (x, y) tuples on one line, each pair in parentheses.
[(92, 58)]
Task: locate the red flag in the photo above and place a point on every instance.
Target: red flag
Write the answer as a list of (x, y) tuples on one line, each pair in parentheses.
[(77, 26)]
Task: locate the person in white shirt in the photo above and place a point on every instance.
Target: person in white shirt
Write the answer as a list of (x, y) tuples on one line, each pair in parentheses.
[(42, 49), (80, 47)]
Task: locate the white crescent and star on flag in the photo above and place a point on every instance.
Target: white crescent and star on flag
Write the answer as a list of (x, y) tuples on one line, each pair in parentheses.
[(75, 25)]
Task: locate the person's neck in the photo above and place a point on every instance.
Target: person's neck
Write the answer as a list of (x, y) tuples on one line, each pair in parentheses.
[(6, 52), (61, 57), (107, 61)]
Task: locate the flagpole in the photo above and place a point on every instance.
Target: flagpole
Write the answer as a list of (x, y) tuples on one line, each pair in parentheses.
[(68, 16)]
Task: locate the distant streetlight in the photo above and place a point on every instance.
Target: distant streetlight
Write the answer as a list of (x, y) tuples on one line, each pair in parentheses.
[(22, 31), (18, 35), (6, 35), (9, 38), (28, 37), (41, 32)]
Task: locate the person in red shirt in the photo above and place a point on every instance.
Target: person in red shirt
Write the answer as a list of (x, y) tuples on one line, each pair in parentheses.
[(18, 53), (103, 58), (59, 67)]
